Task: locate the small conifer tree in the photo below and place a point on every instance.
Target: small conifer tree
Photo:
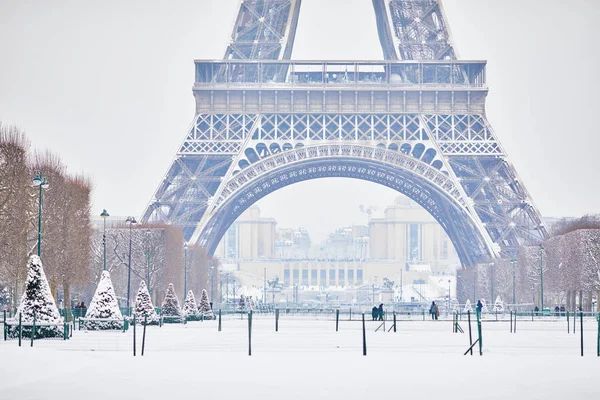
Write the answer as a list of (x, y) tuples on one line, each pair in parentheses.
[(37, 300), (190, 308), (143, 306), (204, 307), (104, 312), (498, 305), (468, 306), (170, 308)]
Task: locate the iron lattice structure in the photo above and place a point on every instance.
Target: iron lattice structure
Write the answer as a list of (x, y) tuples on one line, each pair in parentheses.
[(414, 121)]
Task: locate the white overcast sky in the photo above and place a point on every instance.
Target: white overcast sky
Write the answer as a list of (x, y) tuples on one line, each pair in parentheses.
[(107, 85)]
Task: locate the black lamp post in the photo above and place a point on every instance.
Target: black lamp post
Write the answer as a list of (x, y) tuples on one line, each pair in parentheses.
[(131, 221), (43, 183), (104, 215)]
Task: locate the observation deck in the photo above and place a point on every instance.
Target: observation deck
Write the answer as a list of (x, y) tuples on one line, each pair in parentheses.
[(251, 86), (287, 74)]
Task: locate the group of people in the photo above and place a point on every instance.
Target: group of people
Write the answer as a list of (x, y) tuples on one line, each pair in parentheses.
[(377, 313)]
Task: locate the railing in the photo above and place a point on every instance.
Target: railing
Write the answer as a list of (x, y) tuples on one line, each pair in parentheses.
[(340, 74)]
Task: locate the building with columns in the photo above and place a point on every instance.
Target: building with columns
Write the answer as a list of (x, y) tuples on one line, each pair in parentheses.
[(250, 237), (409, 234)]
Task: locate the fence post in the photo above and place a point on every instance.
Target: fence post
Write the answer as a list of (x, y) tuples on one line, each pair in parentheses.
[(511, 329), (598, 341), (134, 335), (574, 321), (479, 335), (219, 320), (4, 325), (144, 333), (277, 320), (568, 323), (337, 319), (350, 312), (364, 336), (581, 330), (394, 321), (250, 333), (20, 329), (423, 311), (33, 329), (470, 336)]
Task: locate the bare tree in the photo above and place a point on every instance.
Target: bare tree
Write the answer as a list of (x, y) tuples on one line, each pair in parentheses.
[(16, 208)]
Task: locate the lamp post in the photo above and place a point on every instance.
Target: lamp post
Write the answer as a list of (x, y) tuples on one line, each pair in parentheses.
[(514, 263), (185, 247), (492, 282), (148, 233), (448, 297), (104, 215), (265, 286), (541, 249), (131, 221), (43, 183), (212, 283)]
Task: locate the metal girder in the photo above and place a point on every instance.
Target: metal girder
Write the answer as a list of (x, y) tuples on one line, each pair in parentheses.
[(264, 29), (413, 30)]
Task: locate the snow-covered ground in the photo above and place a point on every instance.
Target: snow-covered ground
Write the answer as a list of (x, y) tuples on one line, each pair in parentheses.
[(307, 359)]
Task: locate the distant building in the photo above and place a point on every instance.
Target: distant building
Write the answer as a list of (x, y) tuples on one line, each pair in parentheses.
[(408, 233), (251, 236)]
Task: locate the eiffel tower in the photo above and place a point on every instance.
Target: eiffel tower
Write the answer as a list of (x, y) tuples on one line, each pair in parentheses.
[(414, 121)]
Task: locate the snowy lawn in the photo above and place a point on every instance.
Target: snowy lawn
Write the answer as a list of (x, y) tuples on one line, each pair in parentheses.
[(307, 359)]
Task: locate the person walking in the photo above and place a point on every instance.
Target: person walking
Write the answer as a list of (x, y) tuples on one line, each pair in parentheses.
[(380, 312), (479, 307), (374, 313), (432, 310)]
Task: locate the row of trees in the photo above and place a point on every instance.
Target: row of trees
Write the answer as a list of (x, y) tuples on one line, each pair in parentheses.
[(71, 248), (65, 223), (157, 257), (570, 269)]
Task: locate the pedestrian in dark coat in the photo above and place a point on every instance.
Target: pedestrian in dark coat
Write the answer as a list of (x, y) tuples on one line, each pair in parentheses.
[(433, 310), (380, 312), (375, 313), (479, 307)]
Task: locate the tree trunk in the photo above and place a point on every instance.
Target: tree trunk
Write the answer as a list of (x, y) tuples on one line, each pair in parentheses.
[(67, 298), (588, 303), (568, 299)]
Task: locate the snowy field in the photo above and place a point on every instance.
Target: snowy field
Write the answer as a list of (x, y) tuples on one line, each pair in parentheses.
[(308, 359)]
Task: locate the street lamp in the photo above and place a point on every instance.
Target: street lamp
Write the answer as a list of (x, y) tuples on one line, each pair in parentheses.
[(514, 263), (185, 247), (104, 215), (492, 281), (212, 282), (448, 297), (131, 221), (43, 183), (541, 249)]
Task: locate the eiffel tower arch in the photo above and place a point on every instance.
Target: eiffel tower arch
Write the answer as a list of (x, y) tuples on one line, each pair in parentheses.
[(414, 121)]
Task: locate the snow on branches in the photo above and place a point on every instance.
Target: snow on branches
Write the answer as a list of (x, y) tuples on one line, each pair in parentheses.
[(143, 306), (170, 308), (104, 312), (37, 300), (204, 307), (190, 308)]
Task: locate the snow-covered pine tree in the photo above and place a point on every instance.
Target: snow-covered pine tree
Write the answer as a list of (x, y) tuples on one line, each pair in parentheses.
[(204, 306), (104, 307), (484, 307), (468, 306), (171, 311), (242, 304), (143, 306), (37, 299), (190, 308), (498, 305)]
